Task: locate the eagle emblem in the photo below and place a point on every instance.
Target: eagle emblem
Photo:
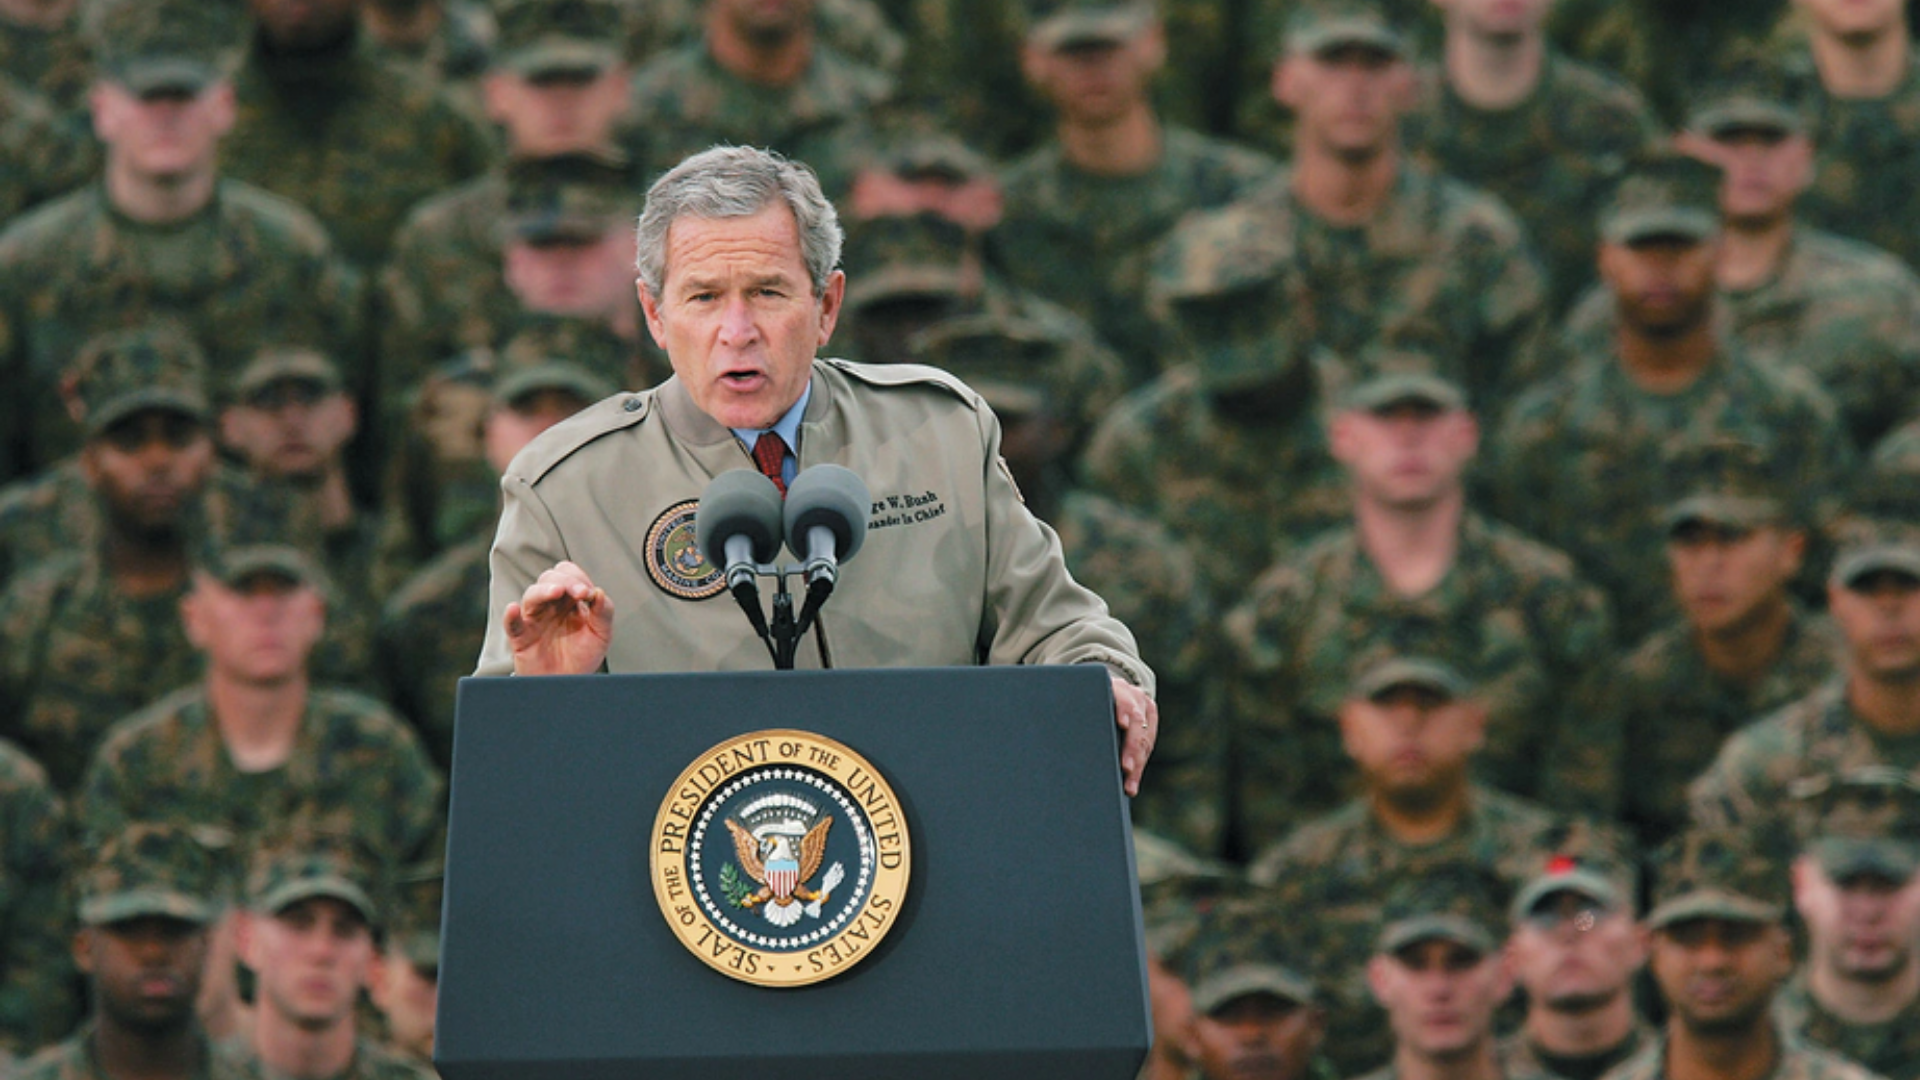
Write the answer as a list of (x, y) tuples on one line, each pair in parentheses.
[(781, 848)]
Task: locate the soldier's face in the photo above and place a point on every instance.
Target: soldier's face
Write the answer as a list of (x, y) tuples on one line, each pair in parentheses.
[(1764, 172), (290, 429), (1346, 101), (297, 24), (1407, 456), (1879, 615), (148, 469), (545, 117), (145, 971), (510, 428), (1257, 1037), (258, 631), (1440, 997), (407, 998), (1412, 744), (310, 960), (1864, 929), (1096, 83), (765, 22), (583, 278), (1662, 287), (1855, 19), (1572, 954), (1718, 975), (162, 137), (1498, 19), (1728, 579), (738, 316)]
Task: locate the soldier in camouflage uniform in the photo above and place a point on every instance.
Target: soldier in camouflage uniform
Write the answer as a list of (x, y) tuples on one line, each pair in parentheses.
[(1356, 248), (1178, 891), (1861, 717), (405, 983), (760, 77), (163, 236), (1412, 727), (40, 155), (1743, 647), (450, 42), (36, 966), (1545, 133), (1575, 948), (1256, 1014), (1855, 888), (1261, 120), (43, 45), (1416, 567), (1084, 211), (557, 86), (1583, 460), (324, 123), (1721, 949), (315, 904), (148, 897), (858, 29)]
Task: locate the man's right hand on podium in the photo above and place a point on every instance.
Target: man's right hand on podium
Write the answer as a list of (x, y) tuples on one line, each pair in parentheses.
[(561, 625)]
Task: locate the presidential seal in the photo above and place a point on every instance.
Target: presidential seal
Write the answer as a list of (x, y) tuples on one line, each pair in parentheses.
[(674, 561), (780, 858)]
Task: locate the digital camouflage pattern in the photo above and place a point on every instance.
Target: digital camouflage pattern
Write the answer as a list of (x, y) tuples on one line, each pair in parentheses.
[(356, 142), (1261, 121), (1890, 1048), (371, 1061), (56, 62), (75, 1059), (355, 771), (1342, 867), (1666, 50), (1441, 270), (250, 268), (443, 287), (40, 155), (456, 54), (1582, 461), (1676, 712), (1845, 313), (1798, 1061), (1510, 615), (858, 29), (37, 1003), (1520, 1059), (685, 102), (962, 71), (429, 636), (1863, 147), (1551, 159), (1086, 241)]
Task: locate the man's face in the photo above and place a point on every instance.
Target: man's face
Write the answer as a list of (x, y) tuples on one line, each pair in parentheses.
[(1573, 954), (584, 278), (1879, 615), (1347, 100), (310, 960), (1257, 1037), (1662, 287), (1726, 577), (1440, 996), (164, 136), (765, 22), (1718, 975), (1406, 456), (47, 13), (145, 971), (1855, 21), (738, 316), (1496, 19), (258, 631), (290, 429), (148, 469), (1862, 929), (1096, 83), (1412, 744), (510, 428), (1764, 170), (303, 24), (407, 997), (557, 114)]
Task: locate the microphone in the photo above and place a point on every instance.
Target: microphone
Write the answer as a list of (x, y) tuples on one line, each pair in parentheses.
[(737, 525), (826, 519)]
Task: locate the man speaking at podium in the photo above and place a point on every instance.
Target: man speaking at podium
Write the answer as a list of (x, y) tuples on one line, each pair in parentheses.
[(595, 565)]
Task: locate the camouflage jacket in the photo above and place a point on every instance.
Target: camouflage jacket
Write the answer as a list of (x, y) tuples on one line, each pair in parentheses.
[(1890, 1048), (40, 155), (371, 1061), (1582, 462), (356, 141), (354, 769), (1845, 313), (74, 1060), (37, 1003), (1442, 270), (1336, 869), (1511, 615), (1865, 148), (1798, 1061), (250, 269), (962, 69), (55, 63), (429, 633), (1551, 159), (443, 288), (1084, 240), (1676, 713), (1520, 1059), (459, 51)]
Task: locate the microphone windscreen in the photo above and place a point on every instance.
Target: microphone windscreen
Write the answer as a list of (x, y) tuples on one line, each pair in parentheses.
[(832, 496), (740, 502)]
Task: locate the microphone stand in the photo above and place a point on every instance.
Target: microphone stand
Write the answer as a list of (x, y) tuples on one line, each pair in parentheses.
[(784, 634)]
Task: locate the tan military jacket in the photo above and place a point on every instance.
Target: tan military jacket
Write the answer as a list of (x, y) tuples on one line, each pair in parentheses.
[(954, 571)]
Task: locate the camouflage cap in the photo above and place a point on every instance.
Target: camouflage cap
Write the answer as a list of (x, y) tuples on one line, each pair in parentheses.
[(235, 566), (540, 39), (1387, 389), (280, 364), (131, 371), (1454, 902), (1054, 25), (1243, 947), (1749, 94), (1007, 360), (290, 868), (1663, 196), (1867, 822), (910, 258), (1724, 482), (149, 869), (154, 47), (1317, 27), (1609, 887), (516, 384), (1176, 888), (571, 197), (1871, 545), (1715, 874), (1379, 671), (931, 154)]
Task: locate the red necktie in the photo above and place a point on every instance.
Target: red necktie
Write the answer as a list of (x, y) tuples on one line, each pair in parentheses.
[(770, 452)]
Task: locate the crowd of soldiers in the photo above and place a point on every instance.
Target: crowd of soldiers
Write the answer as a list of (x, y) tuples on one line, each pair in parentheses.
[(1496, 419)]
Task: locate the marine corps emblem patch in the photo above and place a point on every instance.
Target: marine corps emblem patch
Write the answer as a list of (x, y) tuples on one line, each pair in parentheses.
[(674, 560), (780, 858)]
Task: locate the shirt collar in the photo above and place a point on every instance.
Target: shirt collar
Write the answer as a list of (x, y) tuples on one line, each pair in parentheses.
[(787, 427)]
